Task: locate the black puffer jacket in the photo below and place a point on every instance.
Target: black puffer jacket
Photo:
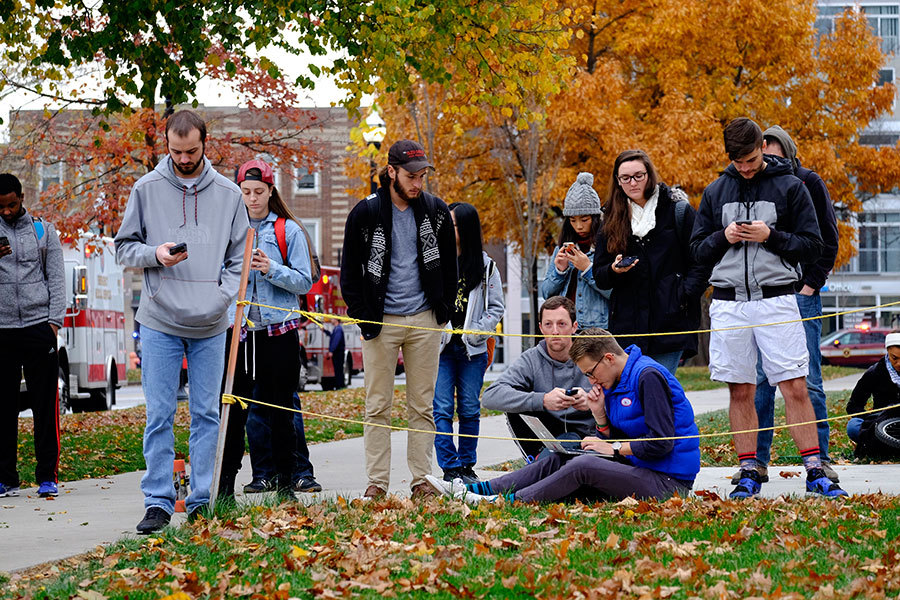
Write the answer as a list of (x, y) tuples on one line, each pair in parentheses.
[(662, 291)]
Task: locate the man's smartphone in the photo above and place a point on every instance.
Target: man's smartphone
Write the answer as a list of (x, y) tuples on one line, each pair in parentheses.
[(572, 391), (626, 262), (744, 222), (178, 248), (4, 241)]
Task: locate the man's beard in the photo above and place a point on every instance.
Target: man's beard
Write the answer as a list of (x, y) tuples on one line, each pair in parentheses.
[(191, 169), (402, 193)]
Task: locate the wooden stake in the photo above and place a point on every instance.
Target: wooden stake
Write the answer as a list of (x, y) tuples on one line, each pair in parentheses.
[(230, 367)]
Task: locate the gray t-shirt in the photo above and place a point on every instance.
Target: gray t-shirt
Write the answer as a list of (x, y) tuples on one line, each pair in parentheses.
[(405, 295), (188, 183)]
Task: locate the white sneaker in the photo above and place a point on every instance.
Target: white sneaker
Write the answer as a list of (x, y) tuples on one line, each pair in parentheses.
[(456, 489)]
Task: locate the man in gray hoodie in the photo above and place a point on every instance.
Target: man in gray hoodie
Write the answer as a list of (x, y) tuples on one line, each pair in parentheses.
[(32, 307), (538, 381), (185, 224)]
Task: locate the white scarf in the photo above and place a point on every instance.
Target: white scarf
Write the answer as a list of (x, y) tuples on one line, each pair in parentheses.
[(643, 218)]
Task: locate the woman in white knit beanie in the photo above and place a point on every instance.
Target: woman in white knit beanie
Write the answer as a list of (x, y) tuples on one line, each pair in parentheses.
[(571, 273)]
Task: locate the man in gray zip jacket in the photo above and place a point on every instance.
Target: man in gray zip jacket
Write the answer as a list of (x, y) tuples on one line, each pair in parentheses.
[(32, 307), (184, 305), (536, 383)]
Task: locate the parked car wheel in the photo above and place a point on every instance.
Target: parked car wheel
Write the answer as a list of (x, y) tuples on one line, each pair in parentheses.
[(62, 389)]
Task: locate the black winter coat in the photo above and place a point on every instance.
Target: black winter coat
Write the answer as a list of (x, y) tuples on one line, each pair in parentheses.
[(365, 272), (662, 291)]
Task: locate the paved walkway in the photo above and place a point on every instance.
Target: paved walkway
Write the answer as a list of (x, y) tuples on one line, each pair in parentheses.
[(99, 511)]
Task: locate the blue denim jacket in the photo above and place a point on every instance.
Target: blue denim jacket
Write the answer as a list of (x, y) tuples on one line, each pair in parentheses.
[(591, 306), (283, 283)]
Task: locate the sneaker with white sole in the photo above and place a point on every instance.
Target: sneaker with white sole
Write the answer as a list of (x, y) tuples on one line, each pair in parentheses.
[(457, 489), (47, 489), (8, 490), (818, 484)]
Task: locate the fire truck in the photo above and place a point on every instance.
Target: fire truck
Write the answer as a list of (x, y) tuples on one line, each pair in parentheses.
[(92, 340), (325, 297)]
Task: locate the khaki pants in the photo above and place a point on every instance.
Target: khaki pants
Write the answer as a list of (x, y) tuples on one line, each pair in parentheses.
[(420, 358)]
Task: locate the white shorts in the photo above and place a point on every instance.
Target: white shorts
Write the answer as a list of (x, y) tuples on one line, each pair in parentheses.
[(733, 353)]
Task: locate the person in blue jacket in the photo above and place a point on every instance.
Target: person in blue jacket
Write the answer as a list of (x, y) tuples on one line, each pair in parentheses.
[(633, 398), (268, 365), (572, 273)]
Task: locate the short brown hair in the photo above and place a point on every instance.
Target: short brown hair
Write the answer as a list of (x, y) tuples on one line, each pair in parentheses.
[(183, 122), (555, 302), (742, 136), (595, 347)]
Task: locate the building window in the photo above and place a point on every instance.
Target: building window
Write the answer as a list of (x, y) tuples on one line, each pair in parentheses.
[(50, 174), (306, 181), (883, 19), (314, 229), (885, 23), (879, 242)]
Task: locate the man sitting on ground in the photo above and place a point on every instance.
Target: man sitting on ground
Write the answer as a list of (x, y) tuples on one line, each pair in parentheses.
[(536, 383), (633, 398)]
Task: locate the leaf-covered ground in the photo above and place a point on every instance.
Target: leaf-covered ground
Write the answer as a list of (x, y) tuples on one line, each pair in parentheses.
[(701, 547)]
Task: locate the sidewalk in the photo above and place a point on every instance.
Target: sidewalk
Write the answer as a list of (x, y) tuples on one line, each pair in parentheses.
[(100, 511)]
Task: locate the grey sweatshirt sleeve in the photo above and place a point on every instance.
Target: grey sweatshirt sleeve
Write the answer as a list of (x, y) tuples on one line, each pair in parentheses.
[(131, 240), (512, 392), (56, 277), (234, 253)]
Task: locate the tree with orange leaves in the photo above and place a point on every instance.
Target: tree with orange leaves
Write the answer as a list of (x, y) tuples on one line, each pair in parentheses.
[(666, 76)]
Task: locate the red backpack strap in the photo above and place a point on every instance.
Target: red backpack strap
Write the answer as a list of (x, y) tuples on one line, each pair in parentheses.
[(280, 236)]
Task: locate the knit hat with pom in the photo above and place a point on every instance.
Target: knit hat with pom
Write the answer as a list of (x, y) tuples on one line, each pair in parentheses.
[(581, 199)]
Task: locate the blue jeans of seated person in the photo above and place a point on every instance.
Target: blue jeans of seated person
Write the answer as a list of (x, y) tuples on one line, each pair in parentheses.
[(259, 437), (809, 306), (458, 389), (854, 425), (669, 360), (160, 371)]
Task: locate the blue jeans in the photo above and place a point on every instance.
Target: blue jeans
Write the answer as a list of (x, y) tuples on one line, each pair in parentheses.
[(160, 371), (809, 306), (854, 425), (669, 360), (460, 376), (259, 436)]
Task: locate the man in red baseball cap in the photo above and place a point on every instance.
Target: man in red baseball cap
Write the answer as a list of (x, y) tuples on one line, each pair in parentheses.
[(399, 268)]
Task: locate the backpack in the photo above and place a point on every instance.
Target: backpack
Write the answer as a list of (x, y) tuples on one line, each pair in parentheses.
[(314, 265)]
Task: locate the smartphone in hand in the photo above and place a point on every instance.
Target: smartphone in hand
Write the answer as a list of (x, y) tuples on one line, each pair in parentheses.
[(4, 241), (178, 248), (569, 247), (744, 222), (626, 262)]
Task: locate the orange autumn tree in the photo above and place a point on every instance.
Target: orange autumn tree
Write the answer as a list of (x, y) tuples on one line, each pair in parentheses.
[(666, 76)]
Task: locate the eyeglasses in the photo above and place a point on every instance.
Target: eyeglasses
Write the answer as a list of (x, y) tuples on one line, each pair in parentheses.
[(590, 374), (638, 177)]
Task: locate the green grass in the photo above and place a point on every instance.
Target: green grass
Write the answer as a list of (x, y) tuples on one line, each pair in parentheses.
[(695, 379), (701, 547)]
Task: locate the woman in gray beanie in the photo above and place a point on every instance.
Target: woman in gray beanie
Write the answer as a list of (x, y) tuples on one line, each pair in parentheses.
[(571, 273)]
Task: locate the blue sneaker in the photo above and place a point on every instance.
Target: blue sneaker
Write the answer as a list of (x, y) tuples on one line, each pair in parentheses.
[(47, 489), (8, 490), (818, 483), (748, 486)]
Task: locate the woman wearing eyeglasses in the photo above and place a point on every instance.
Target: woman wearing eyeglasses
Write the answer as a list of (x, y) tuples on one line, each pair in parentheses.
[(643, 255)]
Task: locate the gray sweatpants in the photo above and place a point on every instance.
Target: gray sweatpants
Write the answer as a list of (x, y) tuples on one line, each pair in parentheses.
[(561, 475)]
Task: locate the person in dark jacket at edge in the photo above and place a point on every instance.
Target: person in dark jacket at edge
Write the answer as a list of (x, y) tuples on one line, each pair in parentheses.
[(880, 382), (777, 142), (398, 267), (755, 226)]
